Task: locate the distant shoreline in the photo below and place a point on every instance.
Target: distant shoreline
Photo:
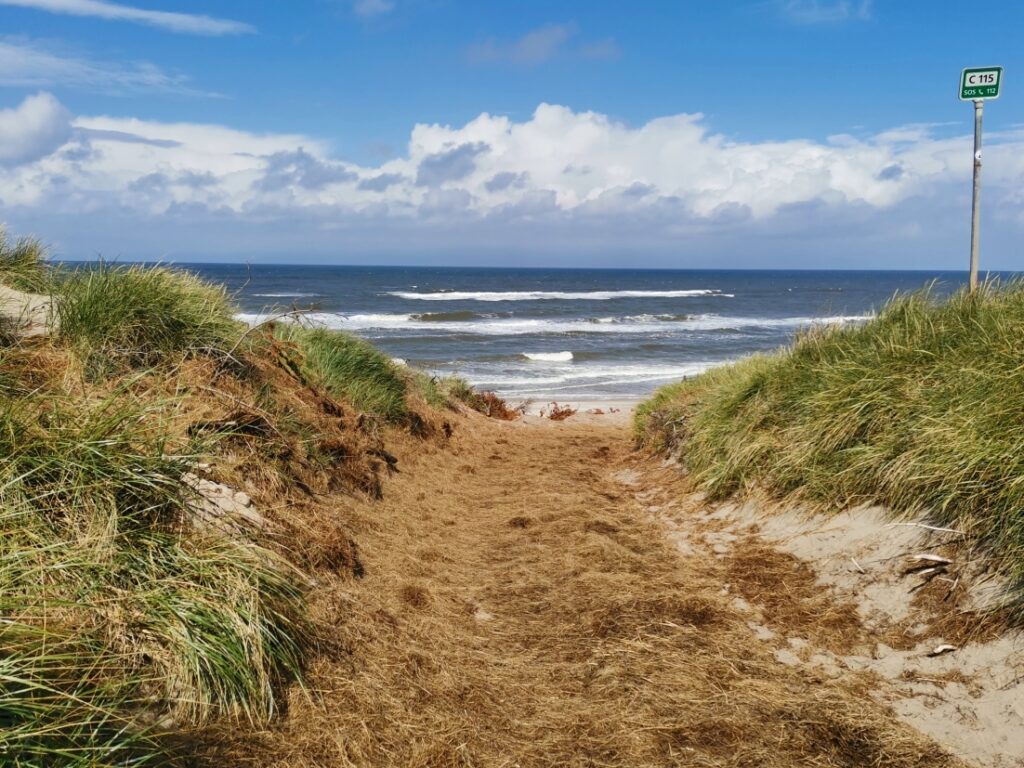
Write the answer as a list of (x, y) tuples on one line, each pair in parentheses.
[(610, 411)]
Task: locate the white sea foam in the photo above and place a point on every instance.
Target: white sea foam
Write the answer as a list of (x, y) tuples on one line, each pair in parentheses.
[(600, 376), (634, 324), (549, 357), (546, 295), (643, 319)]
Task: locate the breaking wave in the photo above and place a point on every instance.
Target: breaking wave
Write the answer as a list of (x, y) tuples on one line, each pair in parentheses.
[(630, 324), (547, 295), (597, 378), (549, 357)]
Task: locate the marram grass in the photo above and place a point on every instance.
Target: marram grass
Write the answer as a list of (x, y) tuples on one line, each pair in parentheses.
[(354, 370), (96, 545), (64, 702), (22, 264), (349, 368), (141, 315), (920, 409)]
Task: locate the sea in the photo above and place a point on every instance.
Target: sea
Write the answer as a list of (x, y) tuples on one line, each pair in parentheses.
[(566, 334)]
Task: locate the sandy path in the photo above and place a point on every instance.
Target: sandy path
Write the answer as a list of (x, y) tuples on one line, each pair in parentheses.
[(521, 604)]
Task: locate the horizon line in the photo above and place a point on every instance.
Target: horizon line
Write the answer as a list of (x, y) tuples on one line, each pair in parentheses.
[(172, 262)]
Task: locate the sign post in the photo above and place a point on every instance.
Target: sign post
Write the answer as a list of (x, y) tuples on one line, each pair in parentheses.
[(978, 84)]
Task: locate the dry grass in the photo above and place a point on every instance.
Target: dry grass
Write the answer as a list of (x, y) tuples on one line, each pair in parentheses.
[(290, 447), (557, 412), (938, 611), (791, 598), (494, 406), (518, 609)]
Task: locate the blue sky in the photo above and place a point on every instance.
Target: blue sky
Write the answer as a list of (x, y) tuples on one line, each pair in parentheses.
[(772, 133)]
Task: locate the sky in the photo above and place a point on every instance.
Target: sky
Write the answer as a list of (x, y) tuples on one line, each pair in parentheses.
[(731, 134)]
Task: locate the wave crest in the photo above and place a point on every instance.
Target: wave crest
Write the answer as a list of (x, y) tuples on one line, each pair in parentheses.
[(548, 295), (549, 357), (633, 324)]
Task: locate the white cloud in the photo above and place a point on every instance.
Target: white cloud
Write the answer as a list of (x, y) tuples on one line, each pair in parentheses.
[(450, 165), (367, 8), (534, 47), (540, 45), (299, 169), (579, 179), (195, 24), (825, 11), (32, 130), (30, 64)]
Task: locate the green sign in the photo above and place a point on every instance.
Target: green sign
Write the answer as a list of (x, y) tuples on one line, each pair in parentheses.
[(981, 83)]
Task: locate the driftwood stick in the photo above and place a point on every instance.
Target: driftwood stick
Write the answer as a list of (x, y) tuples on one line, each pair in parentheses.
[(929, 527)]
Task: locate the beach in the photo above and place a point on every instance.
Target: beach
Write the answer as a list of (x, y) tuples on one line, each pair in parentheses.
[(594, 411), (417, 384), (438, 576)]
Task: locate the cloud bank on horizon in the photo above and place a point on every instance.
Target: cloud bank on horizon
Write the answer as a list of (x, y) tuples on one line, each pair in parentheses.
[(565, 177)]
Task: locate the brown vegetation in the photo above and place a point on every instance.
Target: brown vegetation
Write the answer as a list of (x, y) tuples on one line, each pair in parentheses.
[(492, 405), (509, 616), (557, 412)]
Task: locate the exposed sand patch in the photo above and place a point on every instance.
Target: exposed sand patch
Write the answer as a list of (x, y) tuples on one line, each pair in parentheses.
[(970, 698), (28, 312)]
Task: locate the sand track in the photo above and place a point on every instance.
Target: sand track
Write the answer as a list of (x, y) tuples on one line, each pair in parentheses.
[(522, 603)]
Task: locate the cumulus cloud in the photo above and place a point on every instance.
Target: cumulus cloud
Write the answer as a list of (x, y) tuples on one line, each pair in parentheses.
[(502, 181), (300, 169), (33, 129), (190, 23), (451, 165), (381, 182), (892, 172), (100, 134), (560, 177), (30, 64)]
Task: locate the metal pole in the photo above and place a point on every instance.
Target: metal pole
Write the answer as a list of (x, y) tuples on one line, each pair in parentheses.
[(976, 202)]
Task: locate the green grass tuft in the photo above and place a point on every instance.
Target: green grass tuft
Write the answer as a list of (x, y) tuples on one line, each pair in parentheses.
[(920, 409), (432, 390), (350, 368), (97, 544), (23, 264), (142, 315), (56, 710)]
